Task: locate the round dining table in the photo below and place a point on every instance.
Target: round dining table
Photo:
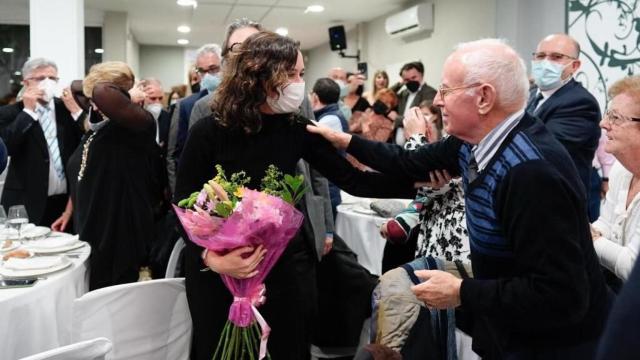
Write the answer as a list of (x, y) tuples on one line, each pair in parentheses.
[(38, 318)]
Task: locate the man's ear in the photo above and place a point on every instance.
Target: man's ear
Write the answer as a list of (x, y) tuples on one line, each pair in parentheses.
[(487, 99)]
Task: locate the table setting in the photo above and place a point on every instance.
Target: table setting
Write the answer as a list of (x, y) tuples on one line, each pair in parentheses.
[(51, 270)]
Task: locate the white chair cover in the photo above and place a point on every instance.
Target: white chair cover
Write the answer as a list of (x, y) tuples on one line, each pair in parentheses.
[(144, 320), (173, 258), (94, 349)]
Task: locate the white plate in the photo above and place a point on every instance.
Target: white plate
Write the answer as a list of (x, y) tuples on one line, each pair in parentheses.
[(60, 249), (17, 274), (14, 245)]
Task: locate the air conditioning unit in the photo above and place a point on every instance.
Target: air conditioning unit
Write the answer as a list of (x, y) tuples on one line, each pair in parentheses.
[(410, 21)]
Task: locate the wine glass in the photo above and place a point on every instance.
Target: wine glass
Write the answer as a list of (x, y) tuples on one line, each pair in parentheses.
[(3, 218), (17, 218)]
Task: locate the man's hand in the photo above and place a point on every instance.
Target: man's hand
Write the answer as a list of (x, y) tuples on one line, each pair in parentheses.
[(440, 290), (414, 123), (31, 97), (70, 102), (339, 140), (437, 179)]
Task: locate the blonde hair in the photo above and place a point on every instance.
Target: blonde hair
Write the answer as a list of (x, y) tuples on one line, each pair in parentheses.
[(115, 72), (629, 85)]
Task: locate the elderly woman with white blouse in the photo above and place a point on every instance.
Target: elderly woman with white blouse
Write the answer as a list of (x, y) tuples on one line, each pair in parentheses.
[(616, 233)]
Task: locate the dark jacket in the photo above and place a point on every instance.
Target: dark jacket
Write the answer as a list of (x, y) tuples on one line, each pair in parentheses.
[(27, 179), (572, 115), (425, 92)]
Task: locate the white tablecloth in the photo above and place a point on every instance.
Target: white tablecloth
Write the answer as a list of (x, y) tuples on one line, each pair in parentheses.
[(38, 318), (362, 233)]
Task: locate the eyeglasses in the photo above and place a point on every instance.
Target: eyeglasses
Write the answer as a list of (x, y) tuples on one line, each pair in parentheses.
[(554, 56), (213, 69), (41, 78), (617, 119), (444, 91), (155, 98), (231, 47)]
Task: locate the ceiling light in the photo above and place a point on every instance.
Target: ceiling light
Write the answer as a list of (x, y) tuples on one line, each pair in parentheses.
[(7, 50), (183, 41), (282, 31), (184, 29), (17, 73), (98, 51), (314, 9), (193, 3)]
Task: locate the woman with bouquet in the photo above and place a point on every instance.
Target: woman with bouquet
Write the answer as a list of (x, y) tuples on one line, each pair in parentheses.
[(255, 125)]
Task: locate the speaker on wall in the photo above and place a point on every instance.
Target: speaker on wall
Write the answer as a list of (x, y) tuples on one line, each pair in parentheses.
[(337, 38)]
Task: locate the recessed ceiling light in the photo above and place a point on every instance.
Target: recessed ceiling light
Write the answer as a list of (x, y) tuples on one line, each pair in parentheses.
[(98, 51), (184, 29), (17, 73), (314, 8), (183, 41), (7, 50), (282, 31), (193, 3)]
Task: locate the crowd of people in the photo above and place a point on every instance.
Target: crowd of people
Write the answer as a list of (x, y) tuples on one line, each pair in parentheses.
[(507, 172)]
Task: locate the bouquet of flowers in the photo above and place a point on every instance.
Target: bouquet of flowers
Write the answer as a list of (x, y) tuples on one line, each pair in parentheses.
[(225, 215)]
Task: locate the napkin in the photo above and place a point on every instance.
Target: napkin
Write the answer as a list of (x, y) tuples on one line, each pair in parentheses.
[(53, 242), (34, 263)]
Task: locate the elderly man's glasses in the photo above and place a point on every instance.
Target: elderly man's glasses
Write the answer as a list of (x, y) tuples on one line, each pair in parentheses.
[(444, 91), (617, 119), (554, 56), (41, 78), (214, 69)]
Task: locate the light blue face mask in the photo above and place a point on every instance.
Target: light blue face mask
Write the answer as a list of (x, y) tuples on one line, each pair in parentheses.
[(344, 89), (546, 74), (210, 82)]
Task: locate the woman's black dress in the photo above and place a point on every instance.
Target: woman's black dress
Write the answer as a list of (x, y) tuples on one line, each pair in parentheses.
[(113, 200), (282, 141)]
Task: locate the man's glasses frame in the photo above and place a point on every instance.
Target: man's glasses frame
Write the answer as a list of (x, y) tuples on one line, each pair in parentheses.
[(444, 91), (553, 56)]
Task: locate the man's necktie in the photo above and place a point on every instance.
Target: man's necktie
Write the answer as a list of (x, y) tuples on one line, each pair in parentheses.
[(531, 109), (48, 127)]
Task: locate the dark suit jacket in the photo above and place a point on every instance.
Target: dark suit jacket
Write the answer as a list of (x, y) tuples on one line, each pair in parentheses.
[(425, 92), (27, 179), (164, 121), (572, 115)]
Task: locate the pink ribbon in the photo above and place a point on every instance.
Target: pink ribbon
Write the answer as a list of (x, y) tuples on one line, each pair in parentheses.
[(239, 315)]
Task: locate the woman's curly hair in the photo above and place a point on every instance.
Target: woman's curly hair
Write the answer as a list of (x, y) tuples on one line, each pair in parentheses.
[(258, 67)]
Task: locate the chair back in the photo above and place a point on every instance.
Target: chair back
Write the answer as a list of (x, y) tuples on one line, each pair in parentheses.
[(174, 258), (94, 349), (144, 320)]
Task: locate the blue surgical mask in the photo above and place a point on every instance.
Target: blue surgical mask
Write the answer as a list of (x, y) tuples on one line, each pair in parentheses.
[(547, 74), (210, 82)]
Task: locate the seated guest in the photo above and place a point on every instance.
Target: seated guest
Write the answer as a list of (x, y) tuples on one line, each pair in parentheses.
[(111, 175), (41, 132), (380, 81), (616, 233)]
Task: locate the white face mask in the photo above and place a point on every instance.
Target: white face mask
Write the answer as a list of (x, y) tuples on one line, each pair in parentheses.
[(49, 87), (290, 99), (96, 119), (154, 109)]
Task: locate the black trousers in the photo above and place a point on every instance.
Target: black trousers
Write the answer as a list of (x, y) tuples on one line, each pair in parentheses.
[(53, 209)]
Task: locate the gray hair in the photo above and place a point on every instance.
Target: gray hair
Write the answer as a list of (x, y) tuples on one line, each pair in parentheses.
[(235, 25), (495, 62), (151, 80), (36, 63), (209, 48)]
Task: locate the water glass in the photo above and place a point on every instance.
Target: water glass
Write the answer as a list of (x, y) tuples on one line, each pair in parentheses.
[(17, 218)]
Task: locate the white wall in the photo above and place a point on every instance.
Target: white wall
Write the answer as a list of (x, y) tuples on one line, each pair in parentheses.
[(165, 63), (522, 22)]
